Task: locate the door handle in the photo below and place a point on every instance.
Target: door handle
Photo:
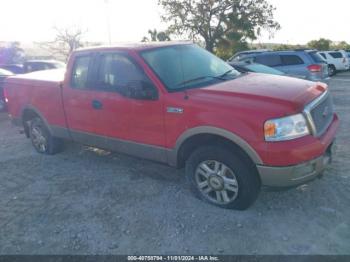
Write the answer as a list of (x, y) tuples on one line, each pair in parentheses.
[(96, 104)]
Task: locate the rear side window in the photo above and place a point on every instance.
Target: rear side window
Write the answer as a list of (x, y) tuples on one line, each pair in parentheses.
[(269, 60), (323, 55), (117, 71), (336, 54), (80, 72), (291, 60), (318, 57)]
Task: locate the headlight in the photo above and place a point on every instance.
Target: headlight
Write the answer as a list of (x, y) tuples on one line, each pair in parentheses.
[(286, 128)]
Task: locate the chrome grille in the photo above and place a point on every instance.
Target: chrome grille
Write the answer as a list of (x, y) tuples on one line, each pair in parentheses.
[(320, 113)]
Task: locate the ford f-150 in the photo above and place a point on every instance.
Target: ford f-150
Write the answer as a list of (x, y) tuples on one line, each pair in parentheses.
[(177, 104)]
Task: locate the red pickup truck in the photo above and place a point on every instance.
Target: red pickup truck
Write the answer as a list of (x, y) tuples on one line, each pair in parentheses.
[(177, 104)]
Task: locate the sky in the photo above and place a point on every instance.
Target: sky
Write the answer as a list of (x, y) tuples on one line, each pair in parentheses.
[(33, 20)]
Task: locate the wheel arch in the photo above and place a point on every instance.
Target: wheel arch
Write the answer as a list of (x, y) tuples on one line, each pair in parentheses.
[(29, 112), (195, 137)]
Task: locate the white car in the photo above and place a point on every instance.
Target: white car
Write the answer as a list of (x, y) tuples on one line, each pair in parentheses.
[(337, 60)]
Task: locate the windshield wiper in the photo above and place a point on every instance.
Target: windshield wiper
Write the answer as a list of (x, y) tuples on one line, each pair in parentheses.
[(220, 77), (197, 79), (225, 74)]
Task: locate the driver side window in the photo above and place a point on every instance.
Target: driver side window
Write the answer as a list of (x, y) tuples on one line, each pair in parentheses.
[(117, 71)]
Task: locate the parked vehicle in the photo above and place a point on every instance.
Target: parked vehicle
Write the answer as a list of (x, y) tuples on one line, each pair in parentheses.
[(301, 63), (13, 68), (3, 74), (240, 55), (180, 105), (244, 67), (348, 54), (33, 65), (38, 65), (337, 61)]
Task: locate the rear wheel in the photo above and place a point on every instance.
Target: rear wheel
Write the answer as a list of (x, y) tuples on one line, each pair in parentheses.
[(223, 178), (332, 70), (41, 138)]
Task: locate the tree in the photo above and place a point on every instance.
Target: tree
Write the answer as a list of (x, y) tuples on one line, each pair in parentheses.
[(65, 42), (12, 53), (321, 44), (341, 45), (156, 36), (283, 47), (219, 23)]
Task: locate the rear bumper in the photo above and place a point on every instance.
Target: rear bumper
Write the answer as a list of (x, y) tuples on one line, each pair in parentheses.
[(295, 175), (326, 80), (322, 79)]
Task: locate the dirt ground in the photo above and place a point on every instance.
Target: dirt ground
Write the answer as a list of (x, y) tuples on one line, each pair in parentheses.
[(88, 201)]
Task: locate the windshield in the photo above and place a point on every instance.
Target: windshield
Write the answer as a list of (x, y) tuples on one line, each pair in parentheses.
[(258, 68), (187, 66)]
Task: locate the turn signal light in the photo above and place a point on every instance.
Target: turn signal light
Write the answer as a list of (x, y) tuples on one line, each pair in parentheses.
[(270, 129)]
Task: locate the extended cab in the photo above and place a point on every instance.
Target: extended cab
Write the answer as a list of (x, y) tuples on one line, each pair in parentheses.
[(178, 104)]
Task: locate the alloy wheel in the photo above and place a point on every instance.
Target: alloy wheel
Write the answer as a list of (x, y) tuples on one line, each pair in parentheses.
[(38, 138), (217, 182)]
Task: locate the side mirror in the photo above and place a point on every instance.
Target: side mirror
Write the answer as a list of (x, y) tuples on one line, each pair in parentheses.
[(142, 90)]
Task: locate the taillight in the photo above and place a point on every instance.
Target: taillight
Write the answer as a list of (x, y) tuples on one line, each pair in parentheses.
[(315, 68), (5, 95)]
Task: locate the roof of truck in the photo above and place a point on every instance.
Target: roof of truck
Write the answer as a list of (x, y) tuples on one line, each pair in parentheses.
[(135, 46)]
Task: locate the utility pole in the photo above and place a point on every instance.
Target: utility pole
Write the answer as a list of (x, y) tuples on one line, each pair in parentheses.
[(108, 21)]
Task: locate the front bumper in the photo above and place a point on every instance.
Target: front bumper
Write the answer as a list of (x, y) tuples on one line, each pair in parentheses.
[(295, 175)]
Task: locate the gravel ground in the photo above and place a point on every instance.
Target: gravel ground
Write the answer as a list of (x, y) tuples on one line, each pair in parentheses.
[(89, 201)]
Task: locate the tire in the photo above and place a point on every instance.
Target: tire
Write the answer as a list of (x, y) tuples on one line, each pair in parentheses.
[(42, 140), (236, 175), (332, 70)]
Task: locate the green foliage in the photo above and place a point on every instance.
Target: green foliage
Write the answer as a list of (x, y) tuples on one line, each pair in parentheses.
[(283, 47), (341, 45), (155, 36), (221, 24), (321, 44), (326, 44), (226, 52)]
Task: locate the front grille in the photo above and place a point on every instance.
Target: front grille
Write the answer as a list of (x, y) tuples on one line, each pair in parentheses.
[(322, 114)]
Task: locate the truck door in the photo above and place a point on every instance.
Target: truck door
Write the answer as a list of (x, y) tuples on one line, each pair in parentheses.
[(95, 107), (133, 119), (78, 97)]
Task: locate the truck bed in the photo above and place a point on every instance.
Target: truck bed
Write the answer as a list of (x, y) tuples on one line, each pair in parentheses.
[(40, 91)]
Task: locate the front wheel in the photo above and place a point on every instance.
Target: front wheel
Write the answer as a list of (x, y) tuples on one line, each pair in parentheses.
[(223, 178), (41, 138)]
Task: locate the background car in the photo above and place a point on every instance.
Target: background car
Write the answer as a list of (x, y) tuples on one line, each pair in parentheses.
[(307, 64), (348, 54), (3, 74), (33, 65), (38, 65), (337, 60), (244, 67), (13, 68), (240, 55)]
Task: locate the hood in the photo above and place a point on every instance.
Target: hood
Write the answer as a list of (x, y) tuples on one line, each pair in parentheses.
[(292, 92)]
